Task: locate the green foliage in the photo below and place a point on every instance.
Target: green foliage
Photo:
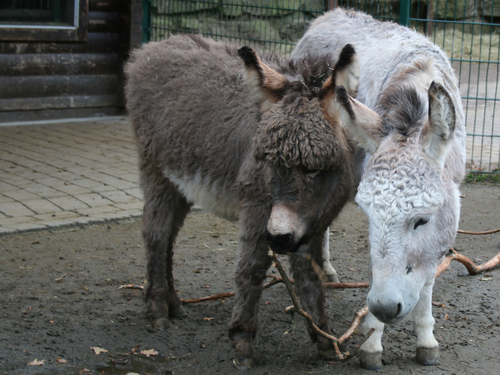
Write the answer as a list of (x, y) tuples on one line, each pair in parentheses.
[(490, 178)]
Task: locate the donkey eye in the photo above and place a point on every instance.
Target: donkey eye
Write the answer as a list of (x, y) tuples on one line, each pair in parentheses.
[(311, 173), (420, 222)]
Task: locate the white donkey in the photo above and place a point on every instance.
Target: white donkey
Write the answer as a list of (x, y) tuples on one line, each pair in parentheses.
[(408, 117)]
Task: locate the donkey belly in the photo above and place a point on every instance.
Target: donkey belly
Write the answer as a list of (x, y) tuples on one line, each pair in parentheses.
[(214, 196)]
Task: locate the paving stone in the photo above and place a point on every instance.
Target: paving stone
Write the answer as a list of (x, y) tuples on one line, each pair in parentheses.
[(50, 218), (25, 226), (41, 206), (5, 199), (131, 206), (43, 191), (137, 192), (72, 189), (118, 196), (93, 200), (87, 183), (15, 209), (20, 195), (68, 203), (6, 187), (18, 220), (97, 211)]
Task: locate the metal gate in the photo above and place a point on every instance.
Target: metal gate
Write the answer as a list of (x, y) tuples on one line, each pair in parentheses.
[(467, 30)]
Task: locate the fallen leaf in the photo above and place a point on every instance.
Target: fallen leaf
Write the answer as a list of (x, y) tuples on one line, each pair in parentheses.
[(149, 352), (36, 362), (136, 349), (446, 317), (84, 371), (208, 319), (206, 286), (438, 304), (60, 360), (464, 318), (485, 279), (98, 350)]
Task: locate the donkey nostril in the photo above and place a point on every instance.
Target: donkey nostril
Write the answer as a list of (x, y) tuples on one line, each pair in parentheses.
[(280, 241), (400, 308), (284, 240)]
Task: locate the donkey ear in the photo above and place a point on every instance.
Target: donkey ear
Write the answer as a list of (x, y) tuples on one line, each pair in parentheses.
[(266, 84), (345, 73), (364, 124), (439, 130)]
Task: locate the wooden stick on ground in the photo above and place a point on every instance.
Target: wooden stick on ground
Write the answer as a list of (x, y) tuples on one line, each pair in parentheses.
[(469, 264), (478, 233)]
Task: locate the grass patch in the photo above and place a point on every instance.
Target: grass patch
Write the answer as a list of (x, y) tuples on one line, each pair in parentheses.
[(490, 178), (467, 46)]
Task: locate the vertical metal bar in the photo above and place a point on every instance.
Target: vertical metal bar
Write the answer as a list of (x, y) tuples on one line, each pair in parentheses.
[(146, 21), (404, 12)]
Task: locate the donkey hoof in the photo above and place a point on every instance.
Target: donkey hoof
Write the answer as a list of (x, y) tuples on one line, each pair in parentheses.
[(177, 312), (242, 350), (160, 323), (428, 356), (370, 361), (243, 363)]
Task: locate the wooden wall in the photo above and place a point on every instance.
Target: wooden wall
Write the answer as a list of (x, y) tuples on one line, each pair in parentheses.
[(53, 80)]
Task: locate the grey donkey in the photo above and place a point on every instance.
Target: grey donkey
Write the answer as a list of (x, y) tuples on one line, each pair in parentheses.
[(408, 117), (248, 139)]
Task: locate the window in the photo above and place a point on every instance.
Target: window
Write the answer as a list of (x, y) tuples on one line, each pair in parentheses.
[(43, 20)]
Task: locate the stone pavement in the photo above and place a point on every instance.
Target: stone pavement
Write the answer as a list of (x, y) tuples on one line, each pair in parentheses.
[(66, 173)]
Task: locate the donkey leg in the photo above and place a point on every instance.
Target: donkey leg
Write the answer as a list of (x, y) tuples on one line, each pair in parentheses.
[(423, 322), (311, 293), (330, 272), (370, 353), (164, 212), (251, 271)]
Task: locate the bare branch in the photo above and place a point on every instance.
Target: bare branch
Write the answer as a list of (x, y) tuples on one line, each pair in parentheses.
[(478, 233)]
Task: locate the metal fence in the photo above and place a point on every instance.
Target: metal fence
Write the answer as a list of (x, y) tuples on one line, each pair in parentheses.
[(467, 30)]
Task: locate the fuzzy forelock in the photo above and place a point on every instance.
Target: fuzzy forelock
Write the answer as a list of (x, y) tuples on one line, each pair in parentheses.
[(399, 181), (296, 133)]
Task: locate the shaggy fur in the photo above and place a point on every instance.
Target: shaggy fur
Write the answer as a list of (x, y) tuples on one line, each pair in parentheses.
[(255, 144), (408, 116)]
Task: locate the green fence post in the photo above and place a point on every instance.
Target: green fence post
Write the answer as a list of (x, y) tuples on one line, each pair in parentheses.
[(146, 21), (404, 12)]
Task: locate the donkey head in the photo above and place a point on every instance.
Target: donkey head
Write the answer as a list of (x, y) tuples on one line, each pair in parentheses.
[(406, 190), (299, 142)]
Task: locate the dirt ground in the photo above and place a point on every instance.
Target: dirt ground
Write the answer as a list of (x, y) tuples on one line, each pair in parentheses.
[(60, 297)]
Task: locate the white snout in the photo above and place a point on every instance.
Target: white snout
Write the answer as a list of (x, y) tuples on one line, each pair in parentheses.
[(284, 229), (390, 300)]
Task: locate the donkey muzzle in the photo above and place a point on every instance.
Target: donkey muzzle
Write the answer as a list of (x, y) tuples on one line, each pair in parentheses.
[(281, 243)]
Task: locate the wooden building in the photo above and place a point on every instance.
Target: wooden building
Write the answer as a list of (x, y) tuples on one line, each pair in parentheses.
[(64, 58)]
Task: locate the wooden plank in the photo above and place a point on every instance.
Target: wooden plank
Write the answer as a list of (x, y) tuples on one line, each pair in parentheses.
[(58, 102), (96, 43), (58, 64), (42, 86), (53, 114), (103, 5), (103, 25)]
